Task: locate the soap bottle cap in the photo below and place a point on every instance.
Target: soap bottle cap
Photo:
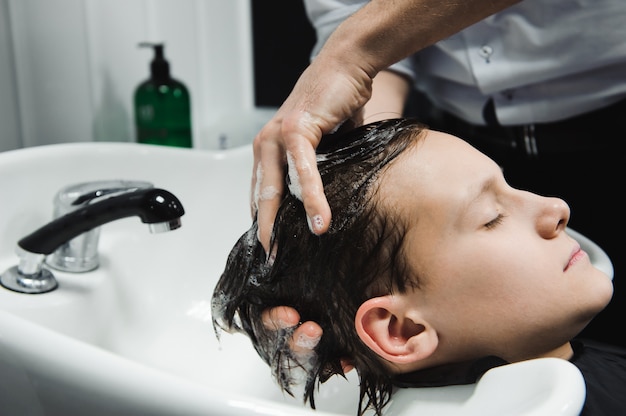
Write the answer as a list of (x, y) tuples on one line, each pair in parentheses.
[(159, 67)]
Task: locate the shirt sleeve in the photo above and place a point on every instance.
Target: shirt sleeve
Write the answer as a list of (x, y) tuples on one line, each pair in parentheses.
[(327, 15)]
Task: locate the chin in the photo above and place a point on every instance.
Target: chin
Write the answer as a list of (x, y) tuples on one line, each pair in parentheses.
[(605, 290), (599, 292)]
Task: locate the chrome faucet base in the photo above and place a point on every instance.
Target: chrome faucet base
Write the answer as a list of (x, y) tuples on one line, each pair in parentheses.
[(40, 282), (77, 255), (70, 263)]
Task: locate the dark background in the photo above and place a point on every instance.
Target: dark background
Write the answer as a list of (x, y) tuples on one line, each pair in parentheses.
[(283, 40)]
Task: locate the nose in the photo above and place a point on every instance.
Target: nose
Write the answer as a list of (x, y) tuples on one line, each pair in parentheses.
[(554, 214)]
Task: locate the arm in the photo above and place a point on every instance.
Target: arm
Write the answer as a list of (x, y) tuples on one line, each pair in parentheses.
[(336, 86), (390, 91)]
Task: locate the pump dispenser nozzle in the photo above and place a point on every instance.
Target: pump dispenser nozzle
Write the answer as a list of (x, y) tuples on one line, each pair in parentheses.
[(159, 67), (162, 105)]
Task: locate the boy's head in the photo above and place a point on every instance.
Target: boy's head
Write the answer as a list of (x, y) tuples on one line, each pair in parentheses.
[(431, 259)]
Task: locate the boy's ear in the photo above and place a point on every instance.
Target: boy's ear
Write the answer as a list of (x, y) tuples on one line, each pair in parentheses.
[(398, 335)]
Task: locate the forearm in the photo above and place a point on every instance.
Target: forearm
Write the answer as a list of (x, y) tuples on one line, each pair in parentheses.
[(389, 94), (384, 31)]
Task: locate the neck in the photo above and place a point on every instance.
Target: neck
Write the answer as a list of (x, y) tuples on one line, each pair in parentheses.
[(565, 352)]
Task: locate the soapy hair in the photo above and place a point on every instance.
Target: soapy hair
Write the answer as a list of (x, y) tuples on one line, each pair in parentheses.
[(325, 278)]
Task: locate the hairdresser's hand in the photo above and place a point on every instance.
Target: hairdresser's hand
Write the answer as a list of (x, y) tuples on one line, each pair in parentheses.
[(336, 86), (329, 92), (306, 336)]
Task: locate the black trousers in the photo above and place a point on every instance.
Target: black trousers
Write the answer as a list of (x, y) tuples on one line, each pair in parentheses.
[(581, 160)]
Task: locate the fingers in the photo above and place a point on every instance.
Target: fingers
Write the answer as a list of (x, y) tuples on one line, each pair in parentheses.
[(267, 187), (280, 317), (304, 338), (287, 143), (305, 183), (325, 95)]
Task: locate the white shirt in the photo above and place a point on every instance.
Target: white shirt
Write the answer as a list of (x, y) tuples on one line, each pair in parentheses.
[(540, 60)]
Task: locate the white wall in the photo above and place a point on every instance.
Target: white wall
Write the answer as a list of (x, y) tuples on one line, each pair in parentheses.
[(10, 137), (68, 68)]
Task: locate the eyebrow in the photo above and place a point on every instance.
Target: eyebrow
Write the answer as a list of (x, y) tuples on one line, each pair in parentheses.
[(476, 192)]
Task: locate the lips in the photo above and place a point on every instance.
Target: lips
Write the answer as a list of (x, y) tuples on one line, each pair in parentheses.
[(575, 256)]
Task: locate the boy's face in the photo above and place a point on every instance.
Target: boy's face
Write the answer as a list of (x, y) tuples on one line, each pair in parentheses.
[(498, 274)]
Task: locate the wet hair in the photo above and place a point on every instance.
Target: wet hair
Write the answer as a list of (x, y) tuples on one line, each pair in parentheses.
[(325, 278)]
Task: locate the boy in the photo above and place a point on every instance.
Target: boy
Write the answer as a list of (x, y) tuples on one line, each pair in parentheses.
[(427, 266)]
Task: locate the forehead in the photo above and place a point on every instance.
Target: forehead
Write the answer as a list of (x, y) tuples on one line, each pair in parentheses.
[(438, 169)]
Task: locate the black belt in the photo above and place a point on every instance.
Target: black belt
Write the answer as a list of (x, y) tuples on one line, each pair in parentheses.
[(602, 130)]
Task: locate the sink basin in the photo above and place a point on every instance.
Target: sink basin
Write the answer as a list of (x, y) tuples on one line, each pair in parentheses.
[(134, 336)]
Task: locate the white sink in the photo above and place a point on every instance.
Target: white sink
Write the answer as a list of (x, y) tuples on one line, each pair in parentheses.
[(134, 337)]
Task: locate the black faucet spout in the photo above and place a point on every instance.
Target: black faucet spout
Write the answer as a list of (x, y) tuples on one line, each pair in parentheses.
[(153, 206)]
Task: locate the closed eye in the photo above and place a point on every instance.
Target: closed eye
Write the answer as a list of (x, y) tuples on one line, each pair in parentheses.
[(494, 222)]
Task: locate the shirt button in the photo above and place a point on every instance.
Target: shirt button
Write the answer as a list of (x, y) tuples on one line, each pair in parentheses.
[(485, 52)]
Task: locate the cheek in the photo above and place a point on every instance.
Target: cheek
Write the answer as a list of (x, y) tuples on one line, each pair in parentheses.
[(498, 272)]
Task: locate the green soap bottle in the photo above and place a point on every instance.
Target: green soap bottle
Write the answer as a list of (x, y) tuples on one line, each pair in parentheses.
[(162, 105)]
